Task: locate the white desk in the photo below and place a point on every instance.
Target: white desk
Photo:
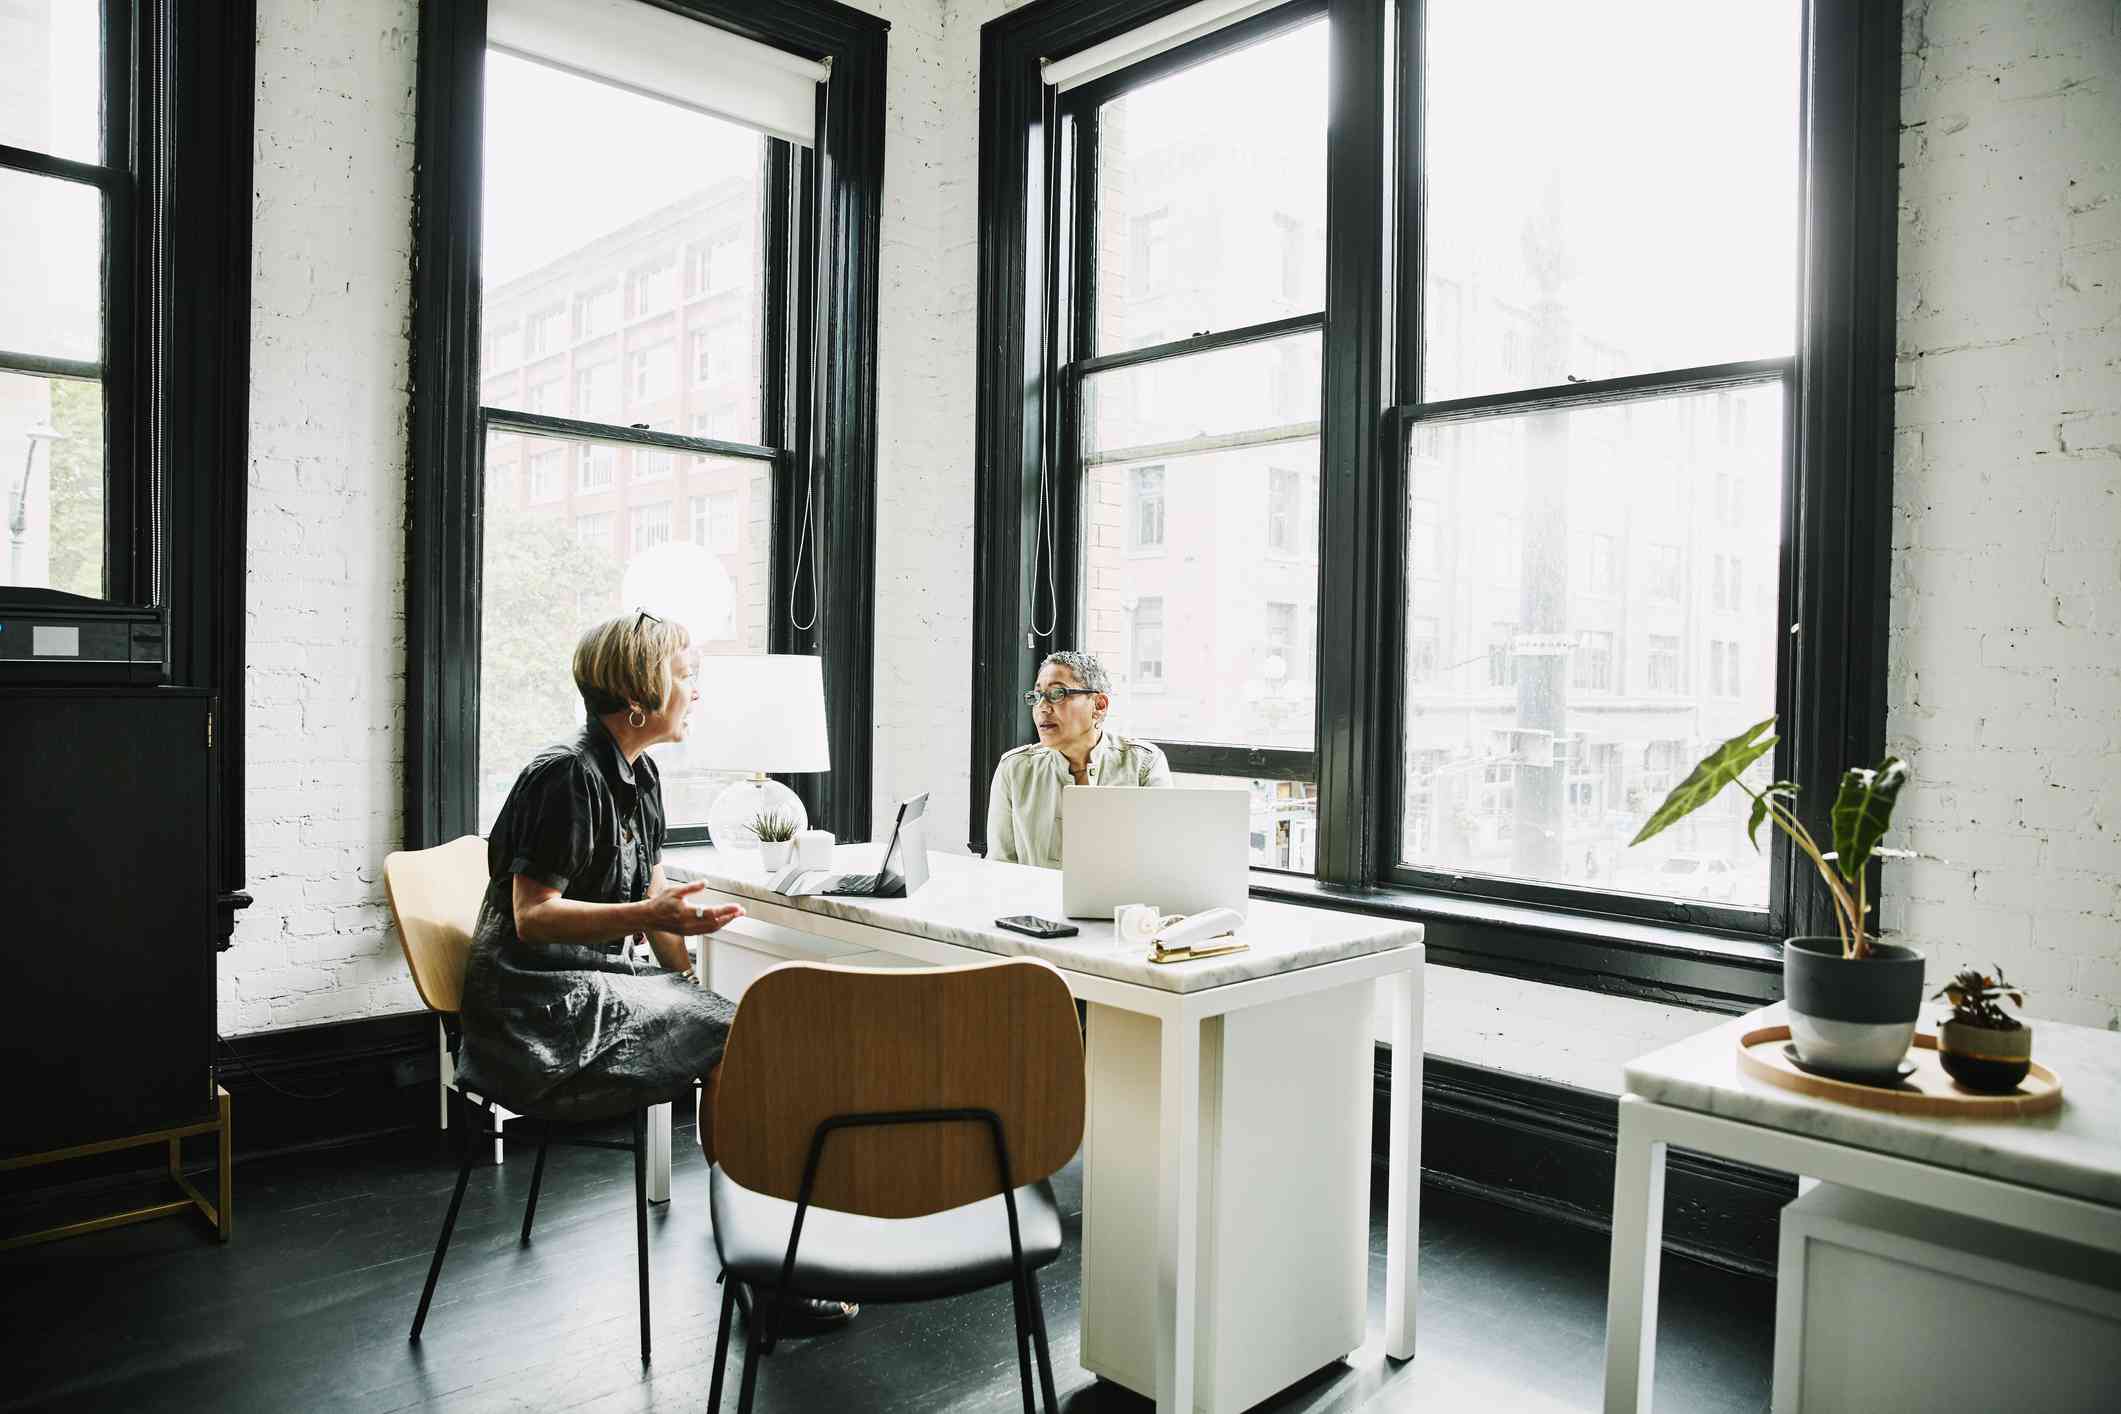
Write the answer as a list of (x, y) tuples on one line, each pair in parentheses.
[(1278, 1038), (2058, 1174)]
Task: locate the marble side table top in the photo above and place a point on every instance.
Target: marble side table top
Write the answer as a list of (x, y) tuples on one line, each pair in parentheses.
[(2075, 1150), (964, 895)]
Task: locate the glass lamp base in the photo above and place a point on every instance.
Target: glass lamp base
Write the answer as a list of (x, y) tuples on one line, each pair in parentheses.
[(730, 818)]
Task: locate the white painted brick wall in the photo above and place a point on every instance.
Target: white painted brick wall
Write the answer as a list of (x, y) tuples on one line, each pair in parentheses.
[(330, 302), (2006, 613), (2007, 581)]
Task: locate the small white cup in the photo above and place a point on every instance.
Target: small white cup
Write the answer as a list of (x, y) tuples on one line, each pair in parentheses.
[(1134, 924), (813, 848)]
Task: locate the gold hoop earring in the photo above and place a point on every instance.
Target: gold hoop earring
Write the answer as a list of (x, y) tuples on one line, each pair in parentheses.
[(636, 719)]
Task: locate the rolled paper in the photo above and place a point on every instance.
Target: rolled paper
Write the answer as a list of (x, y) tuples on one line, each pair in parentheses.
[(813, 848), (1134, 924)]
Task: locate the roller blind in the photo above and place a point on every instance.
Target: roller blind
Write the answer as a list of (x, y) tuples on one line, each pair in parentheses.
[(637, 46), (1174, 29)]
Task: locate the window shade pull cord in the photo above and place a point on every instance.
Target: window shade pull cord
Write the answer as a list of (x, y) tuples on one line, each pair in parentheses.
[(1042, 535), (817, 368)]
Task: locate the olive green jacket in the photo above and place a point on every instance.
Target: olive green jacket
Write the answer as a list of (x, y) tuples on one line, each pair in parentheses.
[(1024, 805)]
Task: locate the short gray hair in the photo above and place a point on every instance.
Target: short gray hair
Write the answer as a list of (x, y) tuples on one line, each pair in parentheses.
[(1088, 671)]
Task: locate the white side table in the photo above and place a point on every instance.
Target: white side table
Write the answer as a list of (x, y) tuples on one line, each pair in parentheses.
[(1879, 1300), (2057, 1174)]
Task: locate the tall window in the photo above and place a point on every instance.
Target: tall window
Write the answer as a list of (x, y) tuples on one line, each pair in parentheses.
[(593, 465), (1285, 510), (1147, 515), (1564, 253), (54, 305), (1599, 376), (1199, 390), (593, 196), (1149, 642), (651, 526)]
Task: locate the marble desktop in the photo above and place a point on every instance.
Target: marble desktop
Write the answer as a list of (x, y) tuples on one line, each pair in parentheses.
[(965, 895), (2075, 1150)]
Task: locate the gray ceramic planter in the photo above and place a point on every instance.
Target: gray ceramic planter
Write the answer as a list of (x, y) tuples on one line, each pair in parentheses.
[(1855, 1018)]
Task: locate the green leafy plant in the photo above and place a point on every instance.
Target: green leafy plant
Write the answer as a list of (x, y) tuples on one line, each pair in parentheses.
[(1978, 1001), (773, 827), (1863, 811)]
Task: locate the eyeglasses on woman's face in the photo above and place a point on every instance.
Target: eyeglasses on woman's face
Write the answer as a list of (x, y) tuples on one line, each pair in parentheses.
[(1054, 696)]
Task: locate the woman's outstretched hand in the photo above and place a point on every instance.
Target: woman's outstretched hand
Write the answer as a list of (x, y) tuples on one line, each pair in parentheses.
[(672, 911)]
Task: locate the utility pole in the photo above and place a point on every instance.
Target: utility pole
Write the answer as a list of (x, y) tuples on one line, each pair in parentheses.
[(1545, 651)]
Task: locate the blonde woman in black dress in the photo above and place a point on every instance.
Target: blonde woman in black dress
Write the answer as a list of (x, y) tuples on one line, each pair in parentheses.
[(554, 1013)]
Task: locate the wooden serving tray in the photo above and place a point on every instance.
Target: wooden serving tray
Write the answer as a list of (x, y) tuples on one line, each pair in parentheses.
[(1929, 1091)]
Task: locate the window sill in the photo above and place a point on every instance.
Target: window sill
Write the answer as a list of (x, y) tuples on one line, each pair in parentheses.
[(1653, 962)]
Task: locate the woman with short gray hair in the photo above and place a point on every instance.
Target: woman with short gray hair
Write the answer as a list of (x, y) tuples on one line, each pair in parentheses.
[(1068, 708)]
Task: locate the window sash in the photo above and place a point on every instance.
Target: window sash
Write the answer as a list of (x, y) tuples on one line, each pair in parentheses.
[(1830, 577)]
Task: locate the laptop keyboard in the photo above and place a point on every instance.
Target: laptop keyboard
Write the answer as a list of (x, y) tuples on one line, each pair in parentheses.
[(857, 884)]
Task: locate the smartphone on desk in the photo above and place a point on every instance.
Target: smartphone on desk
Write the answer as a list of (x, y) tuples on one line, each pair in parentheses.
[(1033, 926)]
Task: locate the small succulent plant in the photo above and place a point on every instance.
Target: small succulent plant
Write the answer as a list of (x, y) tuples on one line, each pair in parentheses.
[(1978, 1001), (773, 827)]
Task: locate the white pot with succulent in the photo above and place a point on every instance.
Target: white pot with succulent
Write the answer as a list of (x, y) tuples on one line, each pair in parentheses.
[(775, 832)]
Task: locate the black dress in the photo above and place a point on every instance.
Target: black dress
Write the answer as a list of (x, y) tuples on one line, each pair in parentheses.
[(573, 1030)]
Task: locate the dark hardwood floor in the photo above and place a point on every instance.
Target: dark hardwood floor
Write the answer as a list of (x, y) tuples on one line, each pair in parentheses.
[(307, 1309)]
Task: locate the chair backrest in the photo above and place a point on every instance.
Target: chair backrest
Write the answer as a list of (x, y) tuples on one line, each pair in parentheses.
[(435, 896), (812, 1041)]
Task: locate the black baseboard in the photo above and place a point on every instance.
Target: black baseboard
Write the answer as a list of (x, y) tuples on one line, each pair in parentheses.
[(315, 1086), (306, 1087), (1549, 1149), (1543, 1148)]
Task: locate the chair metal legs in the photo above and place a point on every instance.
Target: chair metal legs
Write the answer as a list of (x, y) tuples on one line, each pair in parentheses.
[(758, 1339), (721, 1344), (466, 1140), (1038, 1337), (1023, 1339), (449, 1223), (537, 1179)]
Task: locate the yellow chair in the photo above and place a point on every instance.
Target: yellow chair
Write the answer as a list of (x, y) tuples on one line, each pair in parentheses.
[(435, 896), (887, 1135)]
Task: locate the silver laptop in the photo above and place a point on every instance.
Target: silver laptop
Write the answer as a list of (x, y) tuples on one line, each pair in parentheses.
[(1182, 850)]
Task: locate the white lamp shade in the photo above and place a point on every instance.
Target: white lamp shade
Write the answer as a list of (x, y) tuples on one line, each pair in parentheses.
[(760, 712), (686, 584)]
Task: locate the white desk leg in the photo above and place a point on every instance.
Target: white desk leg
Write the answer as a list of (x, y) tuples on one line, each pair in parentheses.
[(659, 1153), (1403, 1195), (1178, 1216), (1638, 1246)]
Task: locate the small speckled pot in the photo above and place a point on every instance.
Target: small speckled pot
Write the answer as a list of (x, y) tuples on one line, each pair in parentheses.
[(1985, 1060)]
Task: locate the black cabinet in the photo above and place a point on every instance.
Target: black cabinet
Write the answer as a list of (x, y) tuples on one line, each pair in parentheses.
[(107, 818)]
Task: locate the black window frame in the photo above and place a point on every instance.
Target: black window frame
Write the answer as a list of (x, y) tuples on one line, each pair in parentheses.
[(1832, 582), (828, 202), (175, 167)]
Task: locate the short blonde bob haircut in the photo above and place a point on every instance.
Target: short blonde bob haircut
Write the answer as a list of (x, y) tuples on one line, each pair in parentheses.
[(624, 662)]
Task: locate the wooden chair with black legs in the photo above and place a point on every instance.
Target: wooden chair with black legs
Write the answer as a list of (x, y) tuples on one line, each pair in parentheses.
[(428, 896), (889, 1136)]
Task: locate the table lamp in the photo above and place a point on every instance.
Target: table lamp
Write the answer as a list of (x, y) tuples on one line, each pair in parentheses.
[(759, 713)]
